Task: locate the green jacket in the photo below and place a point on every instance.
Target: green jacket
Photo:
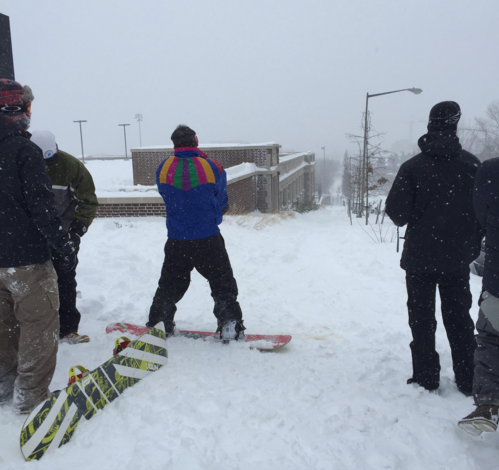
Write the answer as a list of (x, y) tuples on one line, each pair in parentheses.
[(74, 190)]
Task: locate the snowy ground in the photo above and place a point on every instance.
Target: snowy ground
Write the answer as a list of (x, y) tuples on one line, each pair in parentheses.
[(114, 178), (334, 398)]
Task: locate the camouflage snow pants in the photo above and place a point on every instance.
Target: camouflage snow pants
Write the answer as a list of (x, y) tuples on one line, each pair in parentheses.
[(29, 333)]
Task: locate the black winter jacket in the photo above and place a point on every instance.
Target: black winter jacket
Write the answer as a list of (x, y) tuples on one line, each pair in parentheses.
[(432, 194), (486, 201), (29, 222)]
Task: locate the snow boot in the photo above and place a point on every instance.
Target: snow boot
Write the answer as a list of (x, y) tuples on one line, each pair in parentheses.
[(26, 401), (75, 338), (484, 419), (231, 330), (432, 388), (7, 388)]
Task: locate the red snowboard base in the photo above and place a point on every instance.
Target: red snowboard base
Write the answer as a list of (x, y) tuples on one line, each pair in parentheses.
[(262, 342)]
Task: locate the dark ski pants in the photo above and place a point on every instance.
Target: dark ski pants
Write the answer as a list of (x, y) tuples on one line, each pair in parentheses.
[(69, 315), (209, 257), (456, 301), (486, 378)]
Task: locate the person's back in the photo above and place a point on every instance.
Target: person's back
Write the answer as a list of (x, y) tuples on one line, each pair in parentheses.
[(74, 189), (486, 201), (22, 243), (432, 194), (76, 203), (29, 228), (442, 231), (193, 188), (486, 376)]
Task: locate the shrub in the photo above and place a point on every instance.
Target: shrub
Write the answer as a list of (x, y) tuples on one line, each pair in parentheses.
[(303, 207)]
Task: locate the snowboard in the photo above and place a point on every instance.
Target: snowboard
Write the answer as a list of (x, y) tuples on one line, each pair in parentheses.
[(53, 422), (261, 342)]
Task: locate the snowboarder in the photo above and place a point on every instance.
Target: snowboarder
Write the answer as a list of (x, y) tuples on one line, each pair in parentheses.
[(29, 229), (194, 189), (486, 378), (76, 202), (432, 194)]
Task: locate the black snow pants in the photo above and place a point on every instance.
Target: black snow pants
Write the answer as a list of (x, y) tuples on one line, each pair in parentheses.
[(486, 378), (456, 301), (69, 316), (210, 258)]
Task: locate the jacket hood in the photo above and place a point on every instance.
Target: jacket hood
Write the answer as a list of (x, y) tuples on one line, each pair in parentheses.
[(440, 144)]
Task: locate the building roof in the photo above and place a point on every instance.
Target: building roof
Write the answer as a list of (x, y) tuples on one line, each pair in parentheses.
[(212, 146)]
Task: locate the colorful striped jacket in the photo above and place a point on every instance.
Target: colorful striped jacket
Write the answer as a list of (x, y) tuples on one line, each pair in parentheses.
[(194, 189)]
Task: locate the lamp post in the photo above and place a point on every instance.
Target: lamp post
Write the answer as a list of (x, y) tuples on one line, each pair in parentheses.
[(365, 156), (124, 133), (324, 175), (81, 137), (139, 119)]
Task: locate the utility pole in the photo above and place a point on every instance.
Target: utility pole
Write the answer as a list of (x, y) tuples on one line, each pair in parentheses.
[(124, 133), (81, 137), (139, 119), (324, 175)]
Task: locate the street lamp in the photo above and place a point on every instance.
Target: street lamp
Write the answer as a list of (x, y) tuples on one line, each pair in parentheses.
[(416, 91), (139, 118), (124, 133), (324, 175), (81, 137)]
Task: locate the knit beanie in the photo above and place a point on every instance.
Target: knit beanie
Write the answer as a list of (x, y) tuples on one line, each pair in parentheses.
[(444, 116), (12, 107), (46, 141)]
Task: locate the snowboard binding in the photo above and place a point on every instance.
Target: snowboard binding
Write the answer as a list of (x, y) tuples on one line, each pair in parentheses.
[(121, 343), (73, 376)]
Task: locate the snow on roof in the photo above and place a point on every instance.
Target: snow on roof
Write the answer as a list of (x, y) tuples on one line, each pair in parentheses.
[(210, 146), (292, 156), (243, 169)]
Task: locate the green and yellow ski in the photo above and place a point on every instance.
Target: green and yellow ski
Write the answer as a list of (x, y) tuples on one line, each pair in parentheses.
[(54, 421)]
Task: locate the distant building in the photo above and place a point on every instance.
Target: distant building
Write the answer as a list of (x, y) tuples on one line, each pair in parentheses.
[(260, 178)]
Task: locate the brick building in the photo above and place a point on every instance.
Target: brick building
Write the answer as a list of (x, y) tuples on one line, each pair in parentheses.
[(258, 178)]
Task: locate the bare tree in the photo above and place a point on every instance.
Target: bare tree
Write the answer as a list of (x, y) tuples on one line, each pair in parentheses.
[(368, 176), (482, 138)]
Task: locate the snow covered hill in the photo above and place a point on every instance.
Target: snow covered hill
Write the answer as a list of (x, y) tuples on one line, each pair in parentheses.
[(334, 398)]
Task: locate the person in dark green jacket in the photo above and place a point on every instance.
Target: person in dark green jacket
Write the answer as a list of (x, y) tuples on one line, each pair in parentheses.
[(76, 202)]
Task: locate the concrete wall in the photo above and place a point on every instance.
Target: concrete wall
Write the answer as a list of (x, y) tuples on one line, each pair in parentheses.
[(147, 160), (241, 193), (277, 182)]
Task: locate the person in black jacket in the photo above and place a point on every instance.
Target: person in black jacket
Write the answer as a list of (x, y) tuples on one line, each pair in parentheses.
[(486, 378), (29, 228), (432, 195)]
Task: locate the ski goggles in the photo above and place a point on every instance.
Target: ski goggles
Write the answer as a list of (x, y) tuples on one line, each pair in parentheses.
[(15, 108)]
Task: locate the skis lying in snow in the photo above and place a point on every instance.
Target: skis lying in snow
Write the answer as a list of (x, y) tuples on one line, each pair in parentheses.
[(261, 342), (53, 422)]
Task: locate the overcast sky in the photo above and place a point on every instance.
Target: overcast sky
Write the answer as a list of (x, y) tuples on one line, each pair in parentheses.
[(294, 72)]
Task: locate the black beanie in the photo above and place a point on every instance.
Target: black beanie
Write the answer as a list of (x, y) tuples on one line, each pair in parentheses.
[(444, 116)]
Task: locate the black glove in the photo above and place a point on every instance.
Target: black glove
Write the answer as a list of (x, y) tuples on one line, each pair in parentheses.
[(77, 228), (225, 209), (65, 254)]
